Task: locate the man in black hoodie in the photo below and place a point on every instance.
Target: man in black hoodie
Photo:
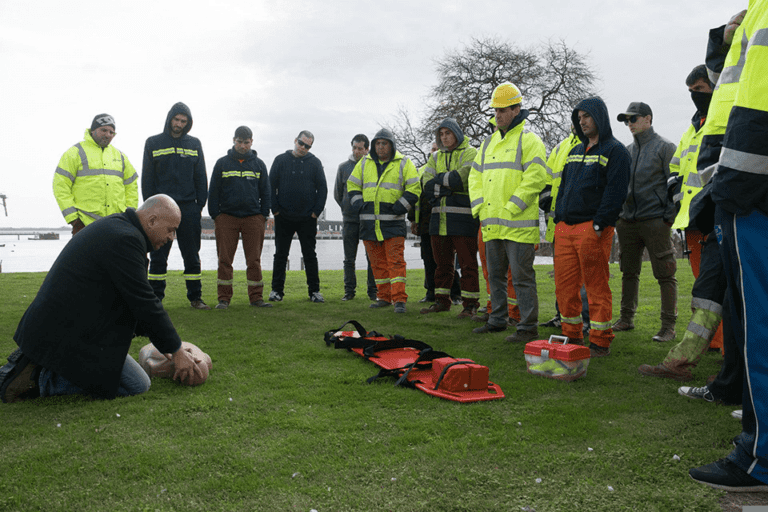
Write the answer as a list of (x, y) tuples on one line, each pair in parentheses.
[(299, 191), (588, 199), (174, 165)]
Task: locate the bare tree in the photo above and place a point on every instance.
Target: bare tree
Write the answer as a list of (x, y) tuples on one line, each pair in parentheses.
[(408, 138), (552, 78)]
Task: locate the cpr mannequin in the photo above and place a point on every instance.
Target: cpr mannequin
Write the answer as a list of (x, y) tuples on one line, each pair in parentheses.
[(157, 365)]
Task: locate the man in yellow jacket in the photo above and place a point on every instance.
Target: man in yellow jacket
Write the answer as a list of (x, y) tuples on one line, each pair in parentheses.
[(383, 187), (506, 178), (93, 178)]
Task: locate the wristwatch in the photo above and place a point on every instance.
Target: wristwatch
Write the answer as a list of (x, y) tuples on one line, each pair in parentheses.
[(597, 227)]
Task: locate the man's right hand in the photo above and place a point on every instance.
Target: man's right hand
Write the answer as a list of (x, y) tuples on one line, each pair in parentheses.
[(732, 25), (185, 365), (414, 228), (77, 225)]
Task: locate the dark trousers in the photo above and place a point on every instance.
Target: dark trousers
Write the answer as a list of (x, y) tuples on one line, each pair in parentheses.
[(350, 232), (428, 257), (306, 229), (188, 238)]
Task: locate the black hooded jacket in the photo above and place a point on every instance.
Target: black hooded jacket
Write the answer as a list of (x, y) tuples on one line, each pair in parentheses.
[(594, 182), (175, 167)]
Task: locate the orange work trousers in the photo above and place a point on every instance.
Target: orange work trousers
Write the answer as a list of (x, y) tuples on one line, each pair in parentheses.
[(514, 310), (388, 265), (693, 239), (581, 258)]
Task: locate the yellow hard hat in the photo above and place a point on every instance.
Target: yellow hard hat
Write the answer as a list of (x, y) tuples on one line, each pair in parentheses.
[(506, 95)]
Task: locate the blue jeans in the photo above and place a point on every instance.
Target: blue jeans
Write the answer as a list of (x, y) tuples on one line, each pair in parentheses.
[(133, 381)]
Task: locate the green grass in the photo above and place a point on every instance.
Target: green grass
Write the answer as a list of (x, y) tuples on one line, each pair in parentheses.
[(285, 423)]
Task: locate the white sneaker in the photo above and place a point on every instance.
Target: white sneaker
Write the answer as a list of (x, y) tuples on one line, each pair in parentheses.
[(737, 414)]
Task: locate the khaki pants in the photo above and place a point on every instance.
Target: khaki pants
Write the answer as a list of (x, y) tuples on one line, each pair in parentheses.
[(228, 231)]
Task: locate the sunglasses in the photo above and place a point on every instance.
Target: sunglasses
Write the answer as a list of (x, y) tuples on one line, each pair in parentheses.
[(631, 119), (304, 144)]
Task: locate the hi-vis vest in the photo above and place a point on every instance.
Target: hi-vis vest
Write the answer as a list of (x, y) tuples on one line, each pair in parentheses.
[(90, 183), (555, 164), (504, 185), (386, 199), (452, 215), (683, 164)]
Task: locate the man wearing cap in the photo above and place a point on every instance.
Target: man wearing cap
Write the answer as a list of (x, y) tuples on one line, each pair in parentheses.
[(238, 202), (350, 230), (299, 191), (507, 176), (645, 221), (174, 165), (383, 187), (93, 178), (588, 198)]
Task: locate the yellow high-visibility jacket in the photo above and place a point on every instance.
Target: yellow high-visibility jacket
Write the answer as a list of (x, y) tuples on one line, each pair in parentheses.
[(555, 164), (383, 201), (504, 184), (445, 181), (91, 182), (683, 164)]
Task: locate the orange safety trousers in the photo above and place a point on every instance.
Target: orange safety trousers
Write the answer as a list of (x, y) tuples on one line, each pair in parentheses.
[(388, 265), (581, 258), (514, 310), (694, 239)]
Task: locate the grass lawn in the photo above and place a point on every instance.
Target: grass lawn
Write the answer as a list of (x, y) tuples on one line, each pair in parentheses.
[(286, 424)]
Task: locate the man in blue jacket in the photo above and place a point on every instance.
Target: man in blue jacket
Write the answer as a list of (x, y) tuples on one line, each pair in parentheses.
[(105, 269), (238, 202), (299, 191), (174, 165)]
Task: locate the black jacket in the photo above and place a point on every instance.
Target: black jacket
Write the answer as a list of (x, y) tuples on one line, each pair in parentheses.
[(239, 186), (175, 167), (82, 320), (298, 185)]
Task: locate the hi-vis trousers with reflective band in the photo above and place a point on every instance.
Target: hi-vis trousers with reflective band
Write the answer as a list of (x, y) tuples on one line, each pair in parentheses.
[(188, 237), (514, 310), (581, 257), (388, 264), (228, 230), (694, 239)]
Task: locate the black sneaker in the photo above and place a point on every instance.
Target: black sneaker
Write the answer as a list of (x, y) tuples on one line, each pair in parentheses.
[(350, 296), (724, 474), (223, 304), (702, 393), (275, 296), (555, 322), (427, 298)]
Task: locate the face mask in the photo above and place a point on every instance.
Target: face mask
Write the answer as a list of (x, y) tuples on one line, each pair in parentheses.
[(701, 100)]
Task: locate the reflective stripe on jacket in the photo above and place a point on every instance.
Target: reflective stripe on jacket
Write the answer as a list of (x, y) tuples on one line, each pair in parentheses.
[(383, 201), (683, 164), (445, 182), (504, 184), (91, 182)]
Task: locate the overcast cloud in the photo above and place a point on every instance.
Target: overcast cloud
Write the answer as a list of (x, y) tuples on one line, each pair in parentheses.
[(335, 68)]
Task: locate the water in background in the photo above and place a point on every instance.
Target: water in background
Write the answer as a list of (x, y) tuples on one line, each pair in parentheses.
[(23, 255)]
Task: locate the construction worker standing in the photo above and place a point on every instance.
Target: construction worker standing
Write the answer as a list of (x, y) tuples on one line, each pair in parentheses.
[(506, 178), (383, 187), (588, 199)]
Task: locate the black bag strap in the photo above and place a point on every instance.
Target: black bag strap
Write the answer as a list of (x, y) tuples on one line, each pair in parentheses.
[(330, 335), (396, 342), (445, 370), (425, 356)]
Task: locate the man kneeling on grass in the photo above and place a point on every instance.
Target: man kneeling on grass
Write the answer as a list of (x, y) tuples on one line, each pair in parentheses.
[(74, 337)]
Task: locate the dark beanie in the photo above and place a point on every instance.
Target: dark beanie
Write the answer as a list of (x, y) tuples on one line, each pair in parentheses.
[(103, 120), (244, 133)]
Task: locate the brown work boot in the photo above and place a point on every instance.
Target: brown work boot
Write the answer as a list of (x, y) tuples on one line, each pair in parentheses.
[(199, 304), (660, 370), (598, 351), (622, 325), (437, 307), (664, 334), (467, 312), (523, 336), (480, 317)]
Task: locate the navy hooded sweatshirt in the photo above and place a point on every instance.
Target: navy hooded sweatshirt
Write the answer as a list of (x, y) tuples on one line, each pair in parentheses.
[(175, 167), (594, 182), (239, 186)]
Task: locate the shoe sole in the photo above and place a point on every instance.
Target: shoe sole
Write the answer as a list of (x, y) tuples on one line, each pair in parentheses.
[(729, 488), (692, 397), (678, 378)]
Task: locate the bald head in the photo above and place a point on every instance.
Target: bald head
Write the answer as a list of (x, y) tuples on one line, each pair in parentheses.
[(159, 217)]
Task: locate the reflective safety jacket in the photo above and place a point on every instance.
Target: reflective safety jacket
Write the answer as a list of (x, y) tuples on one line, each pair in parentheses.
[(383, 200), (555, 164), (507, 176), (91, 182), (683, 165), (740, 185), (445, 181)]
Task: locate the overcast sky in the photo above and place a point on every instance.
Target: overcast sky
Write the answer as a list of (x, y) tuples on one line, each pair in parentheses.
[(335, 68)]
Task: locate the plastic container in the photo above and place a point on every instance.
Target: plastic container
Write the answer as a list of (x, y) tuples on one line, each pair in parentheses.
[(556, 359)]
